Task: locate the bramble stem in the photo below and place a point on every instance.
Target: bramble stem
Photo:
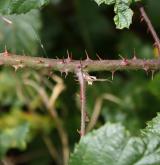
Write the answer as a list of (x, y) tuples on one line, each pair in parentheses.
[(66, 65)]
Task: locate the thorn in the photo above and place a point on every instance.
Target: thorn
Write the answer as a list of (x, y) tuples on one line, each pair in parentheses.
[(155, 44), (146, 70), (134, 55), (16, 67), (124, 61), (153, 72), (121, 57), (60, 61), (87, 56), (65, 71), (6, 54), (98, 57), (69, 58), (86, 117), (141, 19), (67, 52), (79, 132), (113, 72), (66, 74)]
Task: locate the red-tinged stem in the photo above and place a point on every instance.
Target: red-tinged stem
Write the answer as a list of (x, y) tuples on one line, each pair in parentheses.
[(82, 83), (150, 28), (65, 65)]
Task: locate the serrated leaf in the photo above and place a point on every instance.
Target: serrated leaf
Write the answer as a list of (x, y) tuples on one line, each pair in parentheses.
[(153, 126), (99, 146), (108, 2), (20, 6), (15, 137), (113, 145), (123, 17)]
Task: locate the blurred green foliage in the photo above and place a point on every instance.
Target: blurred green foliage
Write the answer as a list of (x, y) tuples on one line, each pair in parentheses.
[(21, 35), (76, 25), (15, 137), (20, 6)]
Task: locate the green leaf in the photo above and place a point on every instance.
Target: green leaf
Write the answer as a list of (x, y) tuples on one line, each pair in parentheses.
[(113, 145), (21, 36), (38, 123), (15, 137), (123, 17), (20, 6), (107, 2), (153, 126)]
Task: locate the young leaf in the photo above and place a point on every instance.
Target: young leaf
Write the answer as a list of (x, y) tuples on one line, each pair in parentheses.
[(107, 2), (153, 126), (123, 17), (20, 6), (113, 145)]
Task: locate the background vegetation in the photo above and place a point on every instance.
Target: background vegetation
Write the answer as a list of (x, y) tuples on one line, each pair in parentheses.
[(28, 133)]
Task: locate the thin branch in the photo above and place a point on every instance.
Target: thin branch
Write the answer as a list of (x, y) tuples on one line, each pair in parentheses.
[(98, 107), (51, 148), (82, 83), (66, 65), (56, 90), (150, 28), (54, 115)]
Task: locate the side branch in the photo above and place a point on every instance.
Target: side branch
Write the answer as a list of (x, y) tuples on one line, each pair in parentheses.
[(66, 65), (82, 83), (150, 28)]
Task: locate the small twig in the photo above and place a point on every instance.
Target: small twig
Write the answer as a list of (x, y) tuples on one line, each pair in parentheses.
[(50, 107), (51, 148), (82, 83), (150, 28), (98, 107), (56, 90)]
